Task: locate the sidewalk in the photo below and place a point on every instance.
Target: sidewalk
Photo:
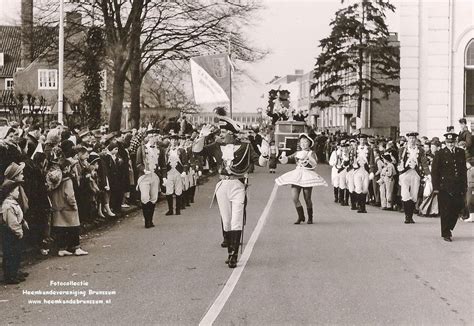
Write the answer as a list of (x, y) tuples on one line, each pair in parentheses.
[(32, 255)]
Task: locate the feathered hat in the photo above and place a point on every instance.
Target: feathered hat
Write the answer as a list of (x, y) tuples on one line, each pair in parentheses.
[(226, 122)]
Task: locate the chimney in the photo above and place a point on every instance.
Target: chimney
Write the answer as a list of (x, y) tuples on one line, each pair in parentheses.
[(26, 32)]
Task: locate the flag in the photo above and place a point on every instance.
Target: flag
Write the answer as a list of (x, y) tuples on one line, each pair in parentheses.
[(211, 78)]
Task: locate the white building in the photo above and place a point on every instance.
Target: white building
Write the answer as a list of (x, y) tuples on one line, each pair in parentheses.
[(437, 64)]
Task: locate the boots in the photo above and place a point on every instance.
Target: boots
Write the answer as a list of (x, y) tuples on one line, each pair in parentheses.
[(346, 197), (341, 196), (354, 200), (310, 215), (225, 242), (188, 195), (336, 194), (361, 203), (178, 205), (151, 212), (235, 244), (169, 199), (145, 210), (182, 200), (409, 208), (193, 192), (300, 212)]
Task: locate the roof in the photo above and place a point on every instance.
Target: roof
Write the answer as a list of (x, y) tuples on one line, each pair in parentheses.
[(10, 45)]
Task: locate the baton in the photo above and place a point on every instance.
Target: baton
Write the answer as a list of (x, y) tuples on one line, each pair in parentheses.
[(245, 217)]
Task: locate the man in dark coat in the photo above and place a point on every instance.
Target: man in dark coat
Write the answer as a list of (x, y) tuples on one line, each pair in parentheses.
[(465, 135), (449, 176)]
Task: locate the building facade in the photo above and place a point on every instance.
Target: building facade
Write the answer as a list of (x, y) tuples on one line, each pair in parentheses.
[(437, 65), (376, 118), (247, 119)]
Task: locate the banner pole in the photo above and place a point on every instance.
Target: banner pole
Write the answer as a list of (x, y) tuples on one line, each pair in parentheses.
[(230, 74)]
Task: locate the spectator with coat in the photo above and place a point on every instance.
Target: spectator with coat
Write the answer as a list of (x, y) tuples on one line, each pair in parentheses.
[(65, 220), (12, 223)]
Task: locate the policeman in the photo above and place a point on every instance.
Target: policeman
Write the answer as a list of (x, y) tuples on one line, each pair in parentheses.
[(412, 165), (234, 159), (449, 177)]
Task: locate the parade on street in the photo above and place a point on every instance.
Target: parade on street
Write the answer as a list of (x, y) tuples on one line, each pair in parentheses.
[(236, 162)]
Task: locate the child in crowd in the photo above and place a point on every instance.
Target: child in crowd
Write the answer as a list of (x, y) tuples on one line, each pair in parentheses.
[(273, 159), (386, 181)]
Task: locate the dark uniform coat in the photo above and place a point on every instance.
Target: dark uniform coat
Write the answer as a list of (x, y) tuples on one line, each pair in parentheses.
[(449, 177)]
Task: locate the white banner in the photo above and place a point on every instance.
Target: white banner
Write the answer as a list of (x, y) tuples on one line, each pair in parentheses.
[(211, 79)]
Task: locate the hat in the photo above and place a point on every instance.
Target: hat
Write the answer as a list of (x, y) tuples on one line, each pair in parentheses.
[(387, 156), (450, 137), (13, 170), (352, 140), (108, 138), (93, 157), (361, 136), (305, 135), (412, 133), (449, 128), (173, 135), (227, 123), (153, 131), (463, 120)]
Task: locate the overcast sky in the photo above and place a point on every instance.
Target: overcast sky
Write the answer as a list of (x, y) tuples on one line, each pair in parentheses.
[(289, 29)]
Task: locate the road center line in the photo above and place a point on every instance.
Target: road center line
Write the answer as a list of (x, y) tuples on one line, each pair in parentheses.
[(221, 300)]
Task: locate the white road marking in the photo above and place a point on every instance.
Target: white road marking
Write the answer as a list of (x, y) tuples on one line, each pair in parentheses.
[(221, 300)]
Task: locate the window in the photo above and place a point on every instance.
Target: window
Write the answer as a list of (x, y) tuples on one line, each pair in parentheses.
[(1, 59), (9, 83), (469, 79), (47, 79)]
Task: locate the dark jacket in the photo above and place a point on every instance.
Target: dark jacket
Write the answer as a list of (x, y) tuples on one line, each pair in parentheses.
[(465, 135), (449, 172)]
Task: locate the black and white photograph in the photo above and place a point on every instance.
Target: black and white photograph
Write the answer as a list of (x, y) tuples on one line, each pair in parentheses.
[(236, 162)]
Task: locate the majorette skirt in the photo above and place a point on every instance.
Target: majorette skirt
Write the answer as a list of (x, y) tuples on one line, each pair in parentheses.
[(301, 177)]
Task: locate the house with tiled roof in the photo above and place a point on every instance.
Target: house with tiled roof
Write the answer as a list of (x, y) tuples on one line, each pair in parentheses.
[(10, 60)]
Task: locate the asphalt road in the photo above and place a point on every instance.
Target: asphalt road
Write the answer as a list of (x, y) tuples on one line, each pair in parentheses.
[(347, 268)]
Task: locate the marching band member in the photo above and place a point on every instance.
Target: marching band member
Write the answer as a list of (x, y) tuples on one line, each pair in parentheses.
[(302, 177), (336, 163), (148, 167), (234, 159), (176, 164), (412, 164)]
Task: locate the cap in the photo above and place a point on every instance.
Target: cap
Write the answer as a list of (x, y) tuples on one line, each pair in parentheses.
[(412, 133), (450, 137), (463, 120), (13, 170)]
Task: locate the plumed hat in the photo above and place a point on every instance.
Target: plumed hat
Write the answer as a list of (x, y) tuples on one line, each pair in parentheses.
[(227, 123)]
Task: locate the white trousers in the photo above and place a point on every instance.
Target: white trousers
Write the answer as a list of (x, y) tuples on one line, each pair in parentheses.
[(149, 186), (230, 195), (350, 180), (342, 179), (361, 181), (409, 185), (334, 177), (174, 183)]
